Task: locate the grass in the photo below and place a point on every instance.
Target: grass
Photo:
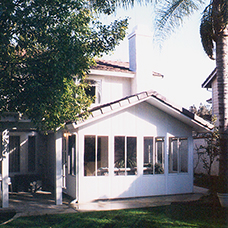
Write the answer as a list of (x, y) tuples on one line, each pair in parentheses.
[(192, 214)]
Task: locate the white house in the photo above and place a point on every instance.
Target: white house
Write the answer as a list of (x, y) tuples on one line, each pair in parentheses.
[(135, 143)]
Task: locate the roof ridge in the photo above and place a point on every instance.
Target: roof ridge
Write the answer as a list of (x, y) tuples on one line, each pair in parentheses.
[(128, 101)]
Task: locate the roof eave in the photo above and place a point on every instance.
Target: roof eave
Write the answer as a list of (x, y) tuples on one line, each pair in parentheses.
[(210, 78), (198, 124), (111, 73)]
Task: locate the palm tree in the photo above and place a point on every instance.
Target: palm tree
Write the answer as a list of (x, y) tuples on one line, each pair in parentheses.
[(214, 35)]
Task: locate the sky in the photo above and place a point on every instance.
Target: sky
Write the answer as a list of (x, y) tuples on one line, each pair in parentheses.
[(181, 59)]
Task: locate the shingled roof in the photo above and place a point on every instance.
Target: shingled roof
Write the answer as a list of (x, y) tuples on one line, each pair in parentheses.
[(115, 66), (155, 99)]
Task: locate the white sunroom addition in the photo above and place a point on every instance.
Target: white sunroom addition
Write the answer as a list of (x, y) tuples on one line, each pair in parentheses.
[(134, 147)]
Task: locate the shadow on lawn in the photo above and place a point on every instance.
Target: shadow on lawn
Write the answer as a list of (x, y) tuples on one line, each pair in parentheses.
[(6, 214), (205, 212)]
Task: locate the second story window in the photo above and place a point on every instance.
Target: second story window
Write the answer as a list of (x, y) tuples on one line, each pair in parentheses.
[(94, 90)]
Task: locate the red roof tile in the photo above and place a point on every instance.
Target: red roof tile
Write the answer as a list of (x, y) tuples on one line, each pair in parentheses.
[(115, 66)]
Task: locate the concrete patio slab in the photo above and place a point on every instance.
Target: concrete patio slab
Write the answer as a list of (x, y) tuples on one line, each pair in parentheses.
[(41, 203)]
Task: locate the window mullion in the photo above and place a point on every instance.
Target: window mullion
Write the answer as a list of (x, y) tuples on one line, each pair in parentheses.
[(178, 155), (125, 155), (171, 155), (154, 154), (96, 142)]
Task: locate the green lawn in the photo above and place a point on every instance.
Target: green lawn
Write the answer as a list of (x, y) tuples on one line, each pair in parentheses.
[(175, 215)]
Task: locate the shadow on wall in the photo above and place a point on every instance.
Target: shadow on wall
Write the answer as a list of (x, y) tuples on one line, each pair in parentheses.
[(149, 185), (198, 163)]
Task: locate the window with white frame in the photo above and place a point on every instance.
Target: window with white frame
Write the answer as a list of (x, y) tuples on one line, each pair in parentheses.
[(178, 155), (94, 90), (125, 153), (31, 153), (72, 155), (159, 155), (148, 166), (153, 155), (14, 154), (96, 155)]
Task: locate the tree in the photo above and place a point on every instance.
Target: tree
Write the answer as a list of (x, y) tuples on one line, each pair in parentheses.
[(204, 111), (209, 152), (214, 33), (45, 46)]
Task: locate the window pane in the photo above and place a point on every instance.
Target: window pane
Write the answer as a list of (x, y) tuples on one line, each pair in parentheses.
[(159, 156), (148, 155), (14, 157), (131, 156), (89, 156), (183, 148), (119, 148), (91, 90), (72, 155), (102, 156), (31, 153), (173, 155)]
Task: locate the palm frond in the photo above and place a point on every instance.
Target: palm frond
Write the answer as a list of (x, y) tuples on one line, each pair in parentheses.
[(220, 15), (170, 15), (130, 3), (207, 31)]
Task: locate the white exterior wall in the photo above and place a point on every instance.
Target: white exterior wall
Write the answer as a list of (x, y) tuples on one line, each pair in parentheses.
[(134, 122), (140, 58), (113, 87)]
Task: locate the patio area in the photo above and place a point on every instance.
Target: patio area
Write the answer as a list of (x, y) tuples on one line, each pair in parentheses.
[(43, 202)]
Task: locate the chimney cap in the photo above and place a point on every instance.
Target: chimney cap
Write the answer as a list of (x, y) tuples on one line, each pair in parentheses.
[(140, 29)]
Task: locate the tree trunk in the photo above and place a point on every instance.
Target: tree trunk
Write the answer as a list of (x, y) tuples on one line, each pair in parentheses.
[(222, 77)]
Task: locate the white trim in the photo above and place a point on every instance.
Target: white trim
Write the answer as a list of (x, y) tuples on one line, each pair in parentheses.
[(196, 123), (111, 73), (58, 168)]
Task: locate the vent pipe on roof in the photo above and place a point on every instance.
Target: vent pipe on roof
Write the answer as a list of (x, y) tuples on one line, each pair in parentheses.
[(140, 58)]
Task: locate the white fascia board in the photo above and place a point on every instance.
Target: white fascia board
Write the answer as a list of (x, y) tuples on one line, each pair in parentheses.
[(197, 123), (111, 73), (207, 82)]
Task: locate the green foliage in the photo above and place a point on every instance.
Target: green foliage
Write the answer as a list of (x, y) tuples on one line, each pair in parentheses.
[(209, 152), (203, 111), (214, 20), (206, 31), (43, 44), (171, 14)]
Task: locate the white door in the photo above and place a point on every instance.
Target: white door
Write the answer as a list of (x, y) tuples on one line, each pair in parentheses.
[(64, 161), (69, 164)]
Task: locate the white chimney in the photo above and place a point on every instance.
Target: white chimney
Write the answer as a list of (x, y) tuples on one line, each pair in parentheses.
[(140, 58)]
